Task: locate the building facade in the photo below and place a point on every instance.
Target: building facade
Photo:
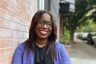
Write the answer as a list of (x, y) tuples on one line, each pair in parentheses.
[(15, 18)]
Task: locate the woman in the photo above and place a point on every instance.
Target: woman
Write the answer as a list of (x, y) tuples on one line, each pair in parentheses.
[(41, 46)]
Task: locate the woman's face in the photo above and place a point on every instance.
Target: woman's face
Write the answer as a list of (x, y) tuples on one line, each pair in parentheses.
[(44, 26)]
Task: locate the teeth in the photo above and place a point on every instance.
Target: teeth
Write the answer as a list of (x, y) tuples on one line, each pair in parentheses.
[(43, 32)]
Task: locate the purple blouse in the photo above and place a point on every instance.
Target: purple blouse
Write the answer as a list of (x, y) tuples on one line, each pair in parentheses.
[(22, 57)]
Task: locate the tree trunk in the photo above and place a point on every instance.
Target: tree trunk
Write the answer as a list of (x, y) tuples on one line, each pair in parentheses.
[(61, 27), (72, 36)]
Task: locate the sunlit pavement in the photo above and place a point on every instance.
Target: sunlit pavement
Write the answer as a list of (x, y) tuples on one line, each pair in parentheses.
[(83, 61), (82, 53)]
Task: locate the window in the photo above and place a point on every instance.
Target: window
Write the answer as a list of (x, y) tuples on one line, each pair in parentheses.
[(41, 4)]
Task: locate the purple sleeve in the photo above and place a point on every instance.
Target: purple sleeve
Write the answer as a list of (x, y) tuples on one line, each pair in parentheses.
[(64, 55), (17, 57)]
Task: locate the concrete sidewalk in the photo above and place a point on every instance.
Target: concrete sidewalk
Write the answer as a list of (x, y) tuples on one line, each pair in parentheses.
[(82, 53)]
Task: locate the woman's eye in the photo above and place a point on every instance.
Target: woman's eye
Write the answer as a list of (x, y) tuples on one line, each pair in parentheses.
[(49, 23)]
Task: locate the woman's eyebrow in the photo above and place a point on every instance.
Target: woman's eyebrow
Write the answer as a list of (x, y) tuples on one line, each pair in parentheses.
[(45, 20)]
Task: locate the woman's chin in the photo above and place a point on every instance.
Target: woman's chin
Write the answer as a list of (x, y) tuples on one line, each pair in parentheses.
[(43, 37)]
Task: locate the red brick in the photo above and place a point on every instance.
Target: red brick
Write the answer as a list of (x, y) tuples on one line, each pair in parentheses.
[(2, 23), (9, 59), (14, 19), (1, 43), (3, 61), (9, 51), (2, 53)]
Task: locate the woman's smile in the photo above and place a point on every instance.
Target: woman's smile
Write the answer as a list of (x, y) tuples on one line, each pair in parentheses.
[(43, 32)]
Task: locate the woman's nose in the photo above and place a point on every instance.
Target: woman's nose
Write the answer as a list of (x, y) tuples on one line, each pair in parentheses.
[(45, 26)]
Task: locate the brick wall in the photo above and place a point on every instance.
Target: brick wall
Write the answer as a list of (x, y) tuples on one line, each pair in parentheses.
[(15, 17)]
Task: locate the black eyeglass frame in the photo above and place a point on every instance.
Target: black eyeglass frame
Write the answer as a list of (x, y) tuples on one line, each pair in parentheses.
[(43, 22)]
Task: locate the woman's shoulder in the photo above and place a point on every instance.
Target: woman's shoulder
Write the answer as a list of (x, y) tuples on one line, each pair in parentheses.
[(60, 47), (20, 47), (59, 44), (62, 53)]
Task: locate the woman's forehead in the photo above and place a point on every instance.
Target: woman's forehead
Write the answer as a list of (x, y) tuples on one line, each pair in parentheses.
[(46, 16)]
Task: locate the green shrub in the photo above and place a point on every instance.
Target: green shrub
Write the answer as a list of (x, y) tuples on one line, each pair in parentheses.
[(66, 37)]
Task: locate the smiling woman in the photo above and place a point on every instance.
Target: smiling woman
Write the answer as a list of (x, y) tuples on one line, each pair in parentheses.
[(44, 26), (41, 46)]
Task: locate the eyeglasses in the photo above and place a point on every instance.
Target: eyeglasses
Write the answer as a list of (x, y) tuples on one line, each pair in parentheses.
[(43, 22)]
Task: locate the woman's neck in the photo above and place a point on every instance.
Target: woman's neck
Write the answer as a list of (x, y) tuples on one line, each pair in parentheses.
[(41, 42)]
